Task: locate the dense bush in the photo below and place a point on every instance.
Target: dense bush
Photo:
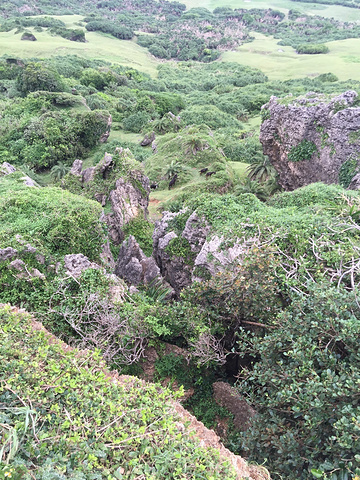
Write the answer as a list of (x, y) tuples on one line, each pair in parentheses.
[(312, 49), (303, 385), (130, 426), (37, 76)]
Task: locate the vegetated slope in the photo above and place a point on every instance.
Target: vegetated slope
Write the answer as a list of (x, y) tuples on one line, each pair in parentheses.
[(63, 415), (168, 31)]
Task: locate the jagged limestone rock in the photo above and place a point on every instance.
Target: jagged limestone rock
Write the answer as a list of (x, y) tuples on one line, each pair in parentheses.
[(199, 253), (7, 169), (134, 266), (76, 263), (117, 182), (308, 139)]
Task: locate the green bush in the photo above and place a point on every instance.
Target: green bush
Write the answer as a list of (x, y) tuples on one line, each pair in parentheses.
[(50, 219), (104, 428), (37, 76), (312, 49), (304, 386), (303, 151)]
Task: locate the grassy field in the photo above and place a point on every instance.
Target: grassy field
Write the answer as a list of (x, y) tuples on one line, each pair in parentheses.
[(335, 11), (282, 63), (98, 46)]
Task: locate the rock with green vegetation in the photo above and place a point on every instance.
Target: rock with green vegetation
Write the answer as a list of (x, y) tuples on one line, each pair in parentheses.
[(6, 169), (28, 36), (305, 226), (314, 138), (77, 417), (134, 266), (118, 183)]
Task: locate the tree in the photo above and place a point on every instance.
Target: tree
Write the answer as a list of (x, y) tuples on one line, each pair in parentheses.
[(59, 171), (261, 170), (37, 76), (304, 386)]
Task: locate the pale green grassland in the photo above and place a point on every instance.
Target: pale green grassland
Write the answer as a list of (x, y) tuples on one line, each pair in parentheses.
[(335, 11), (98, 46), (282, 63)]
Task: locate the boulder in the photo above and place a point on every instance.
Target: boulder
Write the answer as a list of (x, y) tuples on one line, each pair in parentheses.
[(308, 139), (76, 263), (148, 139), (227, 396), (28, 36), (134, 266)]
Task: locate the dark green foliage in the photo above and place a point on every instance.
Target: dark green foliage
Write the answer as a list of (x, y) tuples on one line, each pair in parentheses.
[(142, 230), (210, 116), (312, 49), (303, 386), (40, 132), (119, 31), (303, 151), (36, 76), (180, 247), (328, 77), (242, 293), (347, 171), (136, 122)]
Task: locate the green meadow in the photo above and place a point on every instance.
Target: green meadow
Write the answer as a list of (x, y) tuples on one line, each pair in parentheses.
[(282, 62), (278, 62), (98, 46)]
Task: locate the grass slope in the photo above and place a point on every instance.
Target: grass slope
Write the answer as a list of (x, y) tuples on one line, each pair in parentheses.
[(62, 416), (98, 46)]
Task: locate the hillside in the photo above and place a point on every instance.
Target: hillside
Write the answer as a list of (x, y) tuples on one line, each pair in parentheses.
[(64, 415), (180, 209)]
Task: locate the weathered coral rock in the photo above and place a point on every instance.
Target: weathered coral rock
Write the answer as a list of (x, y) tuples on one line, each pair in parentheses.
[(128, 195), (128, 200), (209, 253), (227, 396), (76, 263), (319, 133), (7, 253), (134, 266)]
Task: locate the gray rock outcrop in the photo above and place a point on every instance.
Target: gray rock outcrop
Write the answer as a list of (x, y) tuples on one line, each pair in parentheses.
[(134, 266), (6, 169), (308, 139), (116, 181), (198, 254), (76, 263)]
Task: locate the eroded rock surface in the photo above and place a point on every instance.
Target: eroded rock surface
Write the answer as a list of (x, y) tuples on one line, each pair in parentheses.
[(134, 266), (308, 139), (192, 253), (118, 182)]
